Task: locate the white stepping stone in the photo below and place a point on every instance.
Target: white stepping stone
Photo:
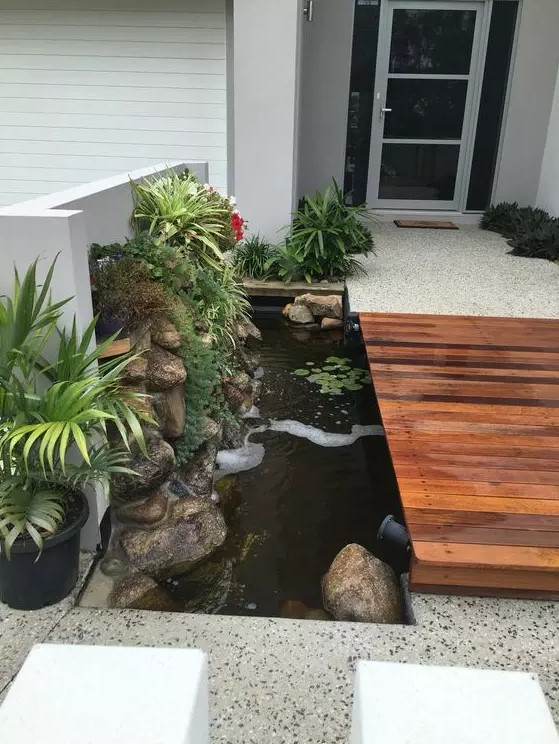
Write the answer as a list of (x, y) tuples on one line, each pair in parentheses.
[(408, 703), (108, 695)]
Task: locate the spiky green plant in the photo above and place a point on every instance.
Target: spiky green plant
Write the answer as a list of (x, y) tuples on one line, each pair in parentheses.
[(178, 210), (254, 258), (55, 416)]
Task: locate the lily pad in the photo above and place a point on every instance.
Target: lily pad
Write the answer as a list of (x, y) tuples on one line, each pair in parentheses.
[(301, 372)]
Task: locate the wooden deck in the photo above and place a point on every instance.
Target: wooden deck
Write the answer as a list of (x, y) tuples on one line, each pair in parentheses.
[(471, 411)]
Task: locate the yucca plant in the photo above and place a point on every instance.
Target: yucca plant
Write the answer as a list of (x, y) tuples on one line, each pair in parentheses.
[(178, 210), (56, 416)]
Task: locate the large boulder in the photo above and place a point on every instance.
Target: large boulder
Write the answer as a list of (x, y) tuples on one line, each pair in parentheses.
[(150, 472), (300, 314), (170, 409), (135, 370), (147, 512), (331, 324), (321, 306), (361, 588), (165, 334), (194, 530), (164, 370), (140, 592)]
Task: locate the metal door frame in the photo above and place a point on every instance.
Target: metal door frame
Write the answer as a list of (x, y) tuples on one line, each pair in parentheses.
[(471, 111)]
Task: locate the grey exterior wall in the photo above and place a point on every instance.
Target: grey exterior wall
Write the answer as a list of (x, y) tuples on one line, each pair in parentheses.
[(325, 78), (548, 193), (530, 101)]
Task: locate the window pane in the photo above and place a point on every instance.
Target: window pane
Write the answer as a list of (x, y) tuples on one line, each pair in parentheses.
[(430, 109), (432, 41), (495, 78), (421, 172)]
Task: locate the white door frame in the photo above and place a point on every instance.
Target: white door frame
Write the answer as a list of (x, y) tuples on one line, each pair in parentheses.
[(475, 78)]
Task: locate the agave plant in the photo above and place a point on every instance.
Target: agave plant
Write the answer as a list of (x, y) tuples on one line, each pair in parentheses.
[(56, 415), (178, 210)]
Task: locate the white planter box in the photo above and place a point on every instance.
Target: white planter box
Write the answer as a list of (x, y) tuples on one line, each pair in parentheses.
[(108, 695), (405, 703)]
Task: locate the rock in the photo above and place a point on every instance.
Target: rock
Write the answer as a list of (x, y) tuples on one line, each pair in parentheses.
[(147, 512), (112, 566), (165, 334), (198, 475), (194, 530), (175, 486), (300, 314), (207, 339), (331, 324), (233, 396), (139, 592), (361, 588), (164, 370), (286, 309), (207, 586), (151, 472), (211, 430), (246, 330), (143, 405), (242, 381), (317, 615), (170, 409), (135, 371), (327, 306)]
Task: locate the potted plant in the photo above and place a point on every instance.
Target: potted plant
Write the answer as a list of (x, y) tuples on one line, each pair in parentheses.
[(59, 418)]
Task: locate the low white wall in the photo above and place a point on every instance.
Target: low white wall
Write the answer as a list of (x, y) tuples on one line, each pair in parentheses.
[(66, 224), (548, 192)]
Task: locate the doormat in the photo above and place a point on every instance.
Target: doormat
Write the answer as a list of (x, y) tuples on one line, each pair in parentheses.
[(427, 224)]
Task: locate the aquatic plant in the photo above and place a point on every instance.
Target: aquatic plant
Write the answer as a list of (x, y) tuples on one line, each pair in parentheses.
[(336, 376)]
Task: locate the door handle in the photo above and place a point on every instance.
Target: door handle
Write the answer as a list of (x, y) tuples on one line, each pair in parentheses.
[(308, 11), (383, 111)]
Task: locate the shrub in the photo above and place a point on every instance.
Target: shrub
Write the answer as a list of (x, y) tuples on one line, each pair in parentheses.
[(324, 234), (123, 290), (255, 258), (531, 232)]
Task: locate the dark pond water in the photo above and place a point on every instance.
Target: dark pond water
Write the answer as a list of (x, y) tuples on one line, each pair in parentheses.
[(289, 516)]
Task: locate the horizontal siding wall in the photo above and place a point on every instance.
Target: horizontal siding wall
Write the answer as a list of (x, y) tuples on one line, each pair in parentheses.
[(91, 88)]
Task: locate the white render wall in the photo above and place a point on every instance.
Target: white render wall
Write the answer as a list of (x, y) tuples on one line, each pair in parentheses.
[(548, 192), (266, 77), (64, 225)]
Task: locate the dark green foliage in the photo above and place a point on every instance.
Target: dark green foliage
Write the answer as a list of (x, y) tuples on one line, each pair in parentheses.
[(164, 262), (325, 234), (531, 232), (202, 376), (254, 258)]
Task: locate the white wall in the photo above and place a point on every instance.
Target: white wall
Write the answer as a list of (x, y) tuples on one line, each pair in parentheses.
[(265, 68), (548, 193), (65, 224), (530, 101), (325, 79)]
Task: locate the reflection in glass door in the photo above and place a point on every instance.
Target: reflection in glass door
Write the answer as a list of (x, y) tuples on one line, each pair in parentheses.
[(427, 79)]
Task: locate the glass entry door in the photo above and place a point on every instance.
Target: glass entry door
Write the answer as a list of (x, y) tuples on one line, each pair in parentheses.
[(427, 86)]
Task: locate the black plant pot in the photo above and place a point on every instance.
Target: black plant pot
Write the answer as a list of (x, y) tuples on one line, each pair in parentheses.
[(26, 585), (108, 324)]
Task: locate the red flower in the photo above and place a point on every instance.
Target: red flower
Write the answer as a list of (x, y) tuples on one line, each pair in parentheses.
[(237, 225)]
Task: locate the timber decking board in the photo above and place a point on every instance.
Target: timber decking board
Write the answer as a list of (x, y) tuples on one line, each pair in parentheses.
[(470, 406)]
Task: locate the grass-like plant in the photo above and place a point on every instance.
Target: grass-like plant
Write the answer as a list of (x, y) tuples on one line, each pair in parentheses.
[(531, 232), (255, 258), (55, 416), (177, 209), (325, 235)]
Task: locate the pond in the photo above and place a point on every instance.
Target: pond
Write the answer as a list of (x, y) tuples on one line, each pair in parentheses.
[(319, 477)]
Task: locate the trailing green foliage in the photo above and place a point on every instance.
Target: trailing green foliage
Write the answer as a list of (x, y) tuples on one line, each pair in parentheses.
[(325, 235), (177, 209), (50, 412), (255, 258), (531, 232)]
